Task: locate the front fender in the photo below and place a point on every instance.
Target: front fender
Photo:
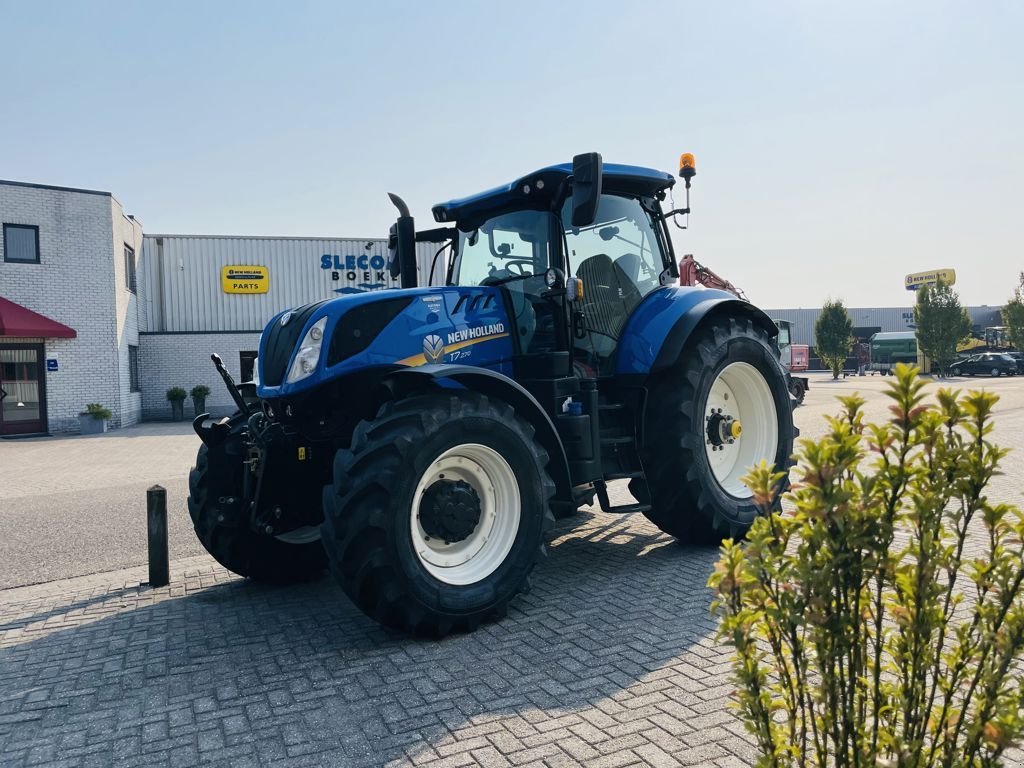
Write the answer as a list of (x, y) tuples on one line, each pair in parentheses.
[(405, 381), (656, 333)]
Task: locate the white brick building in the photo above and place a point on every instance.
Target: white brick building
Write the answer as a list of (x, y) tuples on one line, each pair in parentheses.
[(67, 257)]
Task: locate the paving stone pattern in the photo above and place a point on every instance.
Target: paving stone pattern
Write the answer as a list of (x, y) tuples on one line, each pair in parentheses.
[(611, 660)]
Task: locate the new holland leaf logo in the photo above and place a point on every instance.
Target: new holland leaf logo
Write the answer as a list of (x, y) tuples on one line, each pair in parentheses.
[(433, 348)]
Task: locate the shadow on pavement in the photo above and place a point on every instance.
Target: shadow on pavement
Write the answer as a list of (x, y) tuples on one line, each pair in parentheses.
[(244, 672), (63, 610)]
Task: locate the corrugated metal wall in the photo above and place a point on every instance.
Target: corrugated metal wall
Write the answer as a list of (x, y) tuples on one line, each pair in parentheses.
[(887, 318), (181, 275)]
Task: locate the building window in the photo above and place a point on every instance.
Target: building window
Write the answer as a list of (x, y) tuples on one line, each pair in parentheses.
[(133, 369), (129, 267), (246, 363), (21, 243)]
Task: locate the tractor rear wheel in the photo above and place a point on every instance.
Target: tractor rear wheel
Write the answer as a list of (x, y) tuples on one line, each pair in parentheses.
[(291, 557), (724, 408), (437, 512)]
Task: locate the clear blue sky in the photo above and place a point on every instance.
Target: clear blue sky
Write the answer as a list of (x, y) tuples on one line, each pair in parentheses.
[(838, 147)]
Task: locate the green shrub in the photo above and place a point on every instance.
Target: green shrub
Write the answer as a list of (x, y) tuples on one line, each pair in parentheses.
[(200, 391), (176, 394), (881, 622), (97, 411)]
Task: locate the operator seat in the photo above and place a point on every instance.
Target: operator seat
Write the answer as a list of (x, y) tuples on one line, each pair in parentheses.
[(609, 296)]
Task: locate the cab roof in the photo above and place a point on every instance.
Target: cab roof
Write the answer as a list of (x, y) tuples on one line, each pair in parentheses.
[(543, 184)]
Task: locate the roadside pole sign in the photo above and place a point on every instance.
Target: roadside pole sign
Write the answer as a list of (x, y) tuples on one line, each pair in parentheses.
[(915, 280)]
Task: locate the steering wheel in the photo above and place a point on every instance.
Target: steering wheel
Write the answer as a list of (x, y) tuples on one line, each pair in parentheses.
[(499, 276), (521, 265)]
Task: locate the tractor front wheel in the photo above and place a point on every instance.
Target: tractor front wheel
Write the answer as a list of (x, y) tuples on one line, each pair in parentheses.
[(437, 512), (724, 408), (215, 489)]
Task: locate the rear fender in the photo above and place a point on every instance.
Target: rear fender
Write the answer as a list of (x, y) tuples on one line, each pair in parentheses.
[(407, 381), (656, 333)]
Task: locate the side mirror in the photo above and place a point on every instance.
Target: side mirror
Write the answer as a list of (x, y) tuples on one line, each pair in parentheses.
[(586, 188)]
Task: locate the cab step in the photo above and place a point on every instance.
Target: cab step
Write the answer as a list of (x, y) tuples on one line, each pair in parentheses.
[(601, 488)]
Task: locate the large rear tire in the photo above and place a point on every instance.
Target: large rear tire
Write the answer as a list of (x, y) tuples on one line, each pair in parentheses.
[(291, 557), (696, 454), (438, 511)]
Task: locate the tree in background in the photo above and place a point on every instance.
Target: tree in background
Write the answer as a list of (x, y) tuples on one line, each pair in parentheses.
[(833, 334), (941, 322), (1013, 316)]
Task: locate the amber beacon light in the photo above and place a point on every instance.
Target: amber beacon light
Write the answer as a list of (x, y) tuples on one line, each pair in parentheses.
[(687, 167)]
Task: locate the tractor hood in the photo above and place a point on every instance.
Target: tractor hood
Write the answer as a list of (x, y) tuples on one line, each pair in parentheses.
[(390, 328)]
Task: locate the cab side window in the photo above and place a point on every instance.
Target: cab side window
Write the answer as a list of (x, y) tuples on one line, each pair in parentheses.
[(618, 260)]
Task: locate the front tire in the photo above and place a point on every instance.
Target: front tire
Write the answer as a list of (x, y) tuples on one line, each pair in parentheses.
[(292, 557), (728, 376), (437, 513)]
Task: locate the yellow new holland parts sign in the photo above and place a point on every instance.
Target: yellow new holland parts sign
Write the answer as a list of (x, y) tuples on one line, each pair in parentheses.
[(245, 279)]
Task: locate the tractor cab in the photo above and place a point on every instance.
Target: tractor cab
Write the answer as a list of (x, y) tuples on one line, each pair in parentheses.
[(572, 259)]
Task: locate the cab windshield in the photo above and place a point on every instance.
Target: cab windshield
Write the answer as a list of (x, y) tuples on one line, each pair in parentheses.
[(512, 245), (618, 260), (514, 250)]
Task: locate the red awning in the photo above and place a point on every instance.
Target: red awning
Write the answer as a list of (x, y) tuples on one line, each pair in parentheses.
[(16, 320)]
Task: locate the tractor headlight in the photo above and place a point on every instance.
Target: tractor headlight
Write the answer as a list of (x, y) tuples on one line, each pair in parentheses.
[(309, 353)]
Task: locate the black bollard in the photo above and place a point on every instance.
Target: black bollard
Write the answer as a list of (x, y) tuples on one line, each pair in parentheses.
[(156, 528)]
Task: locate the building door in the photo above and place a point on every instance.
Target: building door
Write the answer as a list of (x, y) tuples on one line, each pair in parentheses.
[(22, 389), (246, 364)]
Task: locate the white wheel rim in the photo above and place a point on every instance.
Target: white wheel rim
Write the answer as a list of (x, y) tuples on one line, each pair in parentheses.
[(741, 392), (307, 534), (479, 554)]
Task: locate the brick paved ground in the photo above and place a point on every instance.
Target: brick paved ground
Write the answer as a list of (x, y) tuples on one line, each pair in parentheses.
[(610, 661)]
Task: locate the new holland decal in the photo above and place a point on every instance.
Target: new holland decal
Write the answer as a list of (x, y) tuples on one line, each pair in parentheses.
[(435, 348)]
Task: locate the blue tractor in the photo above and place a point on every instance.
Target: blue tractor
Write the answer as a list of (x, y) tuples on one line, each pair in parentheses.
[(421, 441)]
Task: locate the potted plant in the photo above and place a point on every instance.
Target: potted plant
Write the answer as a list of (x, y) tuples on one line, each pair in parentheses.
[(199, 394), (93, 420), (176, 396)]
